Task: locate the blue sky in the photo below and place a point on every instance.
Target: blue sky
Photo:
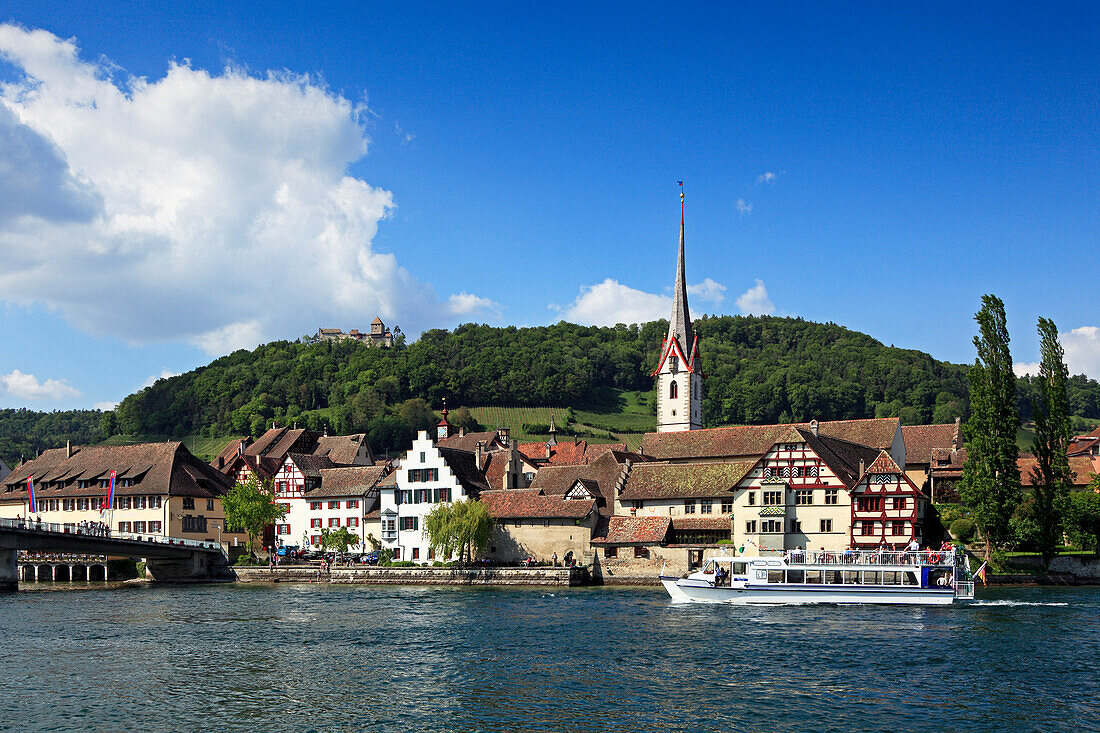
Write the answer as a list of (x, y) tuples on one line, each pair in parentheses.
[(197, 178)]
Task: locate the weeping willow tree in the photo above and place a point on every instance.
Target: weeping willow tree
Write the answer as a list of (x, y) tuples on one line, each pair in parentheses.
[(461, 528)]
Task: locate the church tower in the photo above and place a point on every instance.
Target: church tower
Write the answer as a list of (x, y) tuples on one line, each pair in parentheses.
[(679, 376)]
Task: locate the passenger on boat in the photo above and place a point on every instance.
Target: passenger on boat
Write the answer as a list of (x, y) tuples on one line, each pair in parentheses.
[(797, 554), (719, 575)]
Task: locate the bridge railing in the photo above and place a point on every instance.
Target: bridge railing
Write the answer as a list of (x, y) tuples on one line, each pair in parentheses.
[(103, 533)]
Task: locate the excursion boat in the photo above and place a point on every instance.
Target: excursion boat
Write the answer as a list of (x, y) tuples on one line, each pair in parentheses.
[(851, 576)]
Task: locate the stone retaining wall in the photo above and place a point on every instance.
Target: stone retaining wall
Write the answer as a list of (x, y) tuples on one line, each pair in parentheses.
[(423, 576)]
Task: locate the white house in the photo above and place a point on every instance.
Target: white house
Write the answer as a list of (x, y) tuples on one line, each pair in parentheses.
[(428, 475), (344, 499)]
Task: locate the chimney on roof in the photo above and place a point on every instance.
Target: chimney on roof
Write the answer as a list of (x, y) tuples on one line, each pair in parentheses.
[(274, 424), (462, 432), (862, 468), (955, 439), (68, 449), (477, 452), (240, 448), (813, 427), (221, 463)]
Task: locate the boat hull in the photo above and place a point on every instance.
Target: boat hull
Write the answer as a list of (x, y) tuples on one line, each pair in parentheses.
[(682, 591)]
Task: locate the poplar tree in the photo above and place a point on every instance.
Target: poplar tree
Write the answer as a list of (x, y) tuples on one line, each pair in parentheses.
[(990, 484), (1051, 478)]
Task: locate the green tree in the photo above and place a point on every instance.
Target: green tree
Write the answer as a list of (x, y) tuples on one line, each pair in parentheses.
[(460, 528), (249, 507), (990, 483), (1051, 478), (338, 540), (1083, 516)]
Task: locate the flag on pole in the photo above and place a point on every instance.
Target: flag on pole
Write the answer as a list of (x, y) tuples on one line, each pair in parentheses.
[(981, 574), (110, 494), (30, 494)]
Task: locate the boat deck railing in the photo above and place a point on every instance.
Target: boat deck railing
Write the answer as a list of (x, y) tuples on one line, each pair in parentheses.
[(937, 558)]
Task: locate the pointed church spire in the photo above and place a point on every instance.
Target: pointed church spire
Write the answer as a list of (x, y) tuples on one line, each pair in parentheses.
[(679, 325)]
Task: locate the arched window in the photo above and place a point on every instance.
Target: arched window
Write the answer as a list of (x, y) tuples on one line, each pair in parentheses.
[(673, 391)]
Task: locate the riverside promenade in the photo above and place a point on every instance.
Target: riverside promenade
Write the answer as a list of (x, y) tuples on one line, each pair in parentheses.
[(534, 576)]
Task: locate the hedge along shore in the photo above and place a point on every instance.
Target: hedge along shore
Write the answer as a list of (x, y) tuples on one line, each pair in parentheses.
[(542, 576)]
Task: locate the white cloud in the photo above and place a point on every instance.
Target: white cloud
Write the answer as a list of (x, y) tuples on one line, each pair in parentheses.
[(611, 302), (1022, 369), (464, 304), (743, 208), (105, 406), (708, 291), (767, 177), (211, 208), (27, 387), (1082, 353), (152, 379), (755, 300), (1082, 347)]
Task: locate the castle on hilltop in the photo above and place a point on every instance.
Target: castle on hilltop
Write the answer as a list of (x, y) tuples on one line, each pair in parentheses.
[(379, 335)]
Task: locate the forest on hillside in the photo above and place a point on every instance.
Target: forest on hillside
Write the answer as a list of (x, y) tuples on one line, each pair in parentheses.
[(759, 370)]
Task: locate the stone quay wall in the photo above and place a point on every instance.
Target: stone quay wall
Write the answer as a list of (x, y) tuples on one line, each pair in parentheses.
[(541, 576)]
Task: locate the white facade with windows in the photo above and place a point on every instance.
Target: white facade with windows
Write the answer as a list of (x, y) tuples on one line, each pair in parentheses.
[(424, 479)]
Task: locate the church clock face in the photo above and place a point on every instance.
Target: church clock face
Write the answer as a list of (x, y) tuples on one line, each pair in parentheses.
[(441, 431)]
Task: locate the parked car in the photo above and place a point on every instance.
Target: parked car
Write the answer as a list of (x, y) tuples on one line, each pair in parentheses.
[(372, 557)]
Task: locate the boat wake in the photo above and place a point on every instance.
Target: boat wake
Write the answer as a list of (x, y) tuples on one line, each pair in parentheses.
[(1014, 603)]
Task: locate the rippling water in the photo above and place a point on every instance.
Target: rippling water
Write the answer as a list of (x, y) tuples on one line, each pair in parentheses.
[(323, 658)]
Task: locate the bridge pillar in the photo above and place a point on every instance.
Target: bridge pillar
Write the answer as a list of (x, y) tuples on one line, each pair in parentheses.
[(9, 569), (196, 566)]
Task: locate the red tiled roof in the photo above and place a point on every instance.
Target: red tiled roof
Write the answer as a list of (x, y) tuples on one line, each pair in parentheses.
[(635, 531), (719, 522), (533, 504), (158, 469), (605, 472), (349, 480), (883, 464), (755, 440), (683, 480), (921, 440), (340, 449), (1080, 465), (469, 441)]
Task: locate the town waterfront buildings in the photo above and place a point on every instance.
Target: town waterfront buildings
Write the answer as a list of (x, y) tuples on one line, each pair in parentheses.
[(161, 490)]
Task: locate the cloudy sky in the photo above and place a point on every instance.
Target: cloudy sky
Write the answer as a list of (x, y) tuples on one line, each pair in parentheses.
[(179, 183)]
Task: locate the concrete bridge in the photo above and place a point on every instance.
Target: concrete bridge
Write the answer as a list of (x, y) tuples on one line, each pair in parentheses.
[(166, 558)]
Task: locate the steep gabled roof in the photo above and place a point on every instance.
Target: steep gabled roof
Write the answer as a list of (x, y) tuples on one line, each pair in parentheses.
[(349, 481), (157, 468), (843, 457), (683, 480), (533, 504), (755, 440), (310, 465), (342, 450), (603, 474), (469, 441), (464, 466), (922, 440)]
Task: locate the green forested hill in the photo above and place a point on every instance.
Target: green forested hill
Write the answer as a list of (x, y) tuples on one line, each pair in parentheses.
[(759, 370)]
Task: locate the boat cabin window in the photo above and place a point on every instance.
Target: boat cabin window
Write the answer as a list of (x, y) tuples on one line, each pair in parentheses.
[(872, 578), (851, 576), (775, 576), (814, 576), (739, 568), (832, 577), (796, 576)]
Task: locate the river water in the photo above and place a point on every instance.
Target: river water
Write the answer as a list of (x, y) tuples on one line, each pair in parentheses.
[(350, 658)]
